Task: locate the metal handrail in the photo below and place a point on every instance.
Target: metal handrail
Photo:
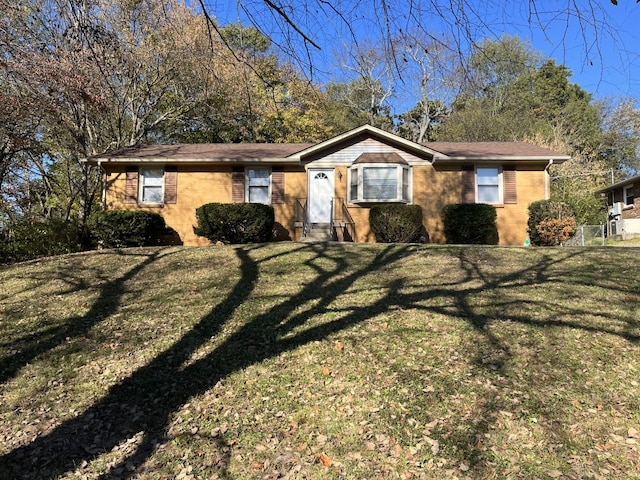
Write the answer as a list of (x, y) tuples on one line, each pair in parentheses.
[(301, 215), (331, 221), (342, 217), (349, 223)]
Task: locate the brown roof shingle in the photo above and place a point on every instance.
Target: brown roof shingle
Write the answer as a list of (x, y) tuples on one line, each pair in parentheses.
[(390, 157), (492, 149), (205, 151)]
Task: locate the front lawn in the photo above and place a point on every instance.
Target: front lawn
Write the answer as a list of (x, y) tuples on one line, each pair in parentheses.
[(322, 361)]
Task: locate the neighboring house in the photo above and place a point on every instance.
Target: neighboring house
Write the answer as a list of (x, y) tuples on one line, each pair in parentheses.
[(332, 183), (623, 204)]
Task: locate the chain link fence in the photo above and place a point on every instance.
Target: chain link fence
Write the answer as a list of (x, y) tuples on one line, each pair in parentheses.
[(587, 236)]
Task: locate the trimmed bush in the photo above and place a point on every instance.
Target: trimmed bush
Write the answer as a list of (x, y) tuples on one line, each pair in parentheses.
[(470, 224), (550, 223), (126, 228), (396, 223), (26, 240), (235, 222)]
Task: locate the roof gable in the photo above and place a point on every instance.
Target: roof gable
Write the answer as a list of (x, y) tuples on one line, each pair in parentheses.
[(358, 134)]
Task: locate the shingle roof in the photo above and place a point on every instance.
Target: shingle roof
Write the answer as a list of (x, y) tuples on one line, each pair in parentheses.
[(286, 152), (623, 183), (205, 151), (391, 157), (493, 149)]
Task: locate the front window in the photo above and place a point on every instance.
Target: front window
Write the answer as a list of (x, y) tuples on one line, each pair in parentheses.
[(152, 185), (258, 180), (380, 183), (488, 185), (353, 185), (373, 183), (628, 196)]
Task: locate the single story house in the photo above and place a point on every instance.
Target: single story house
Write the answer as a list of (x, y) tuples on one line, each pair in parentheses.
[(623, 204), (333, 183)]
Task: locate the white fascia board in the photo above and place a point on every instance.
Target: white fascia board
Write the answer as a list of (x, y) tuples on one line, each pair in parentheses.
[(502, 159), (192, 161)]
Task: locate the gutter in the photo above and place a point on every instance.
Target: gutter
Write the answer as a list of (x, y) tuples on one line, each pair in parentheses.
[(103, 186), (547, 180)]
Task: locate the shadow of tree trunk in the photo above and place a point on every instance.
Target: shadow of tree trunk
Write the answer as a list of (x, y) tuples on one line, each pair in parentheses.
[(145, 401), (105, 306)]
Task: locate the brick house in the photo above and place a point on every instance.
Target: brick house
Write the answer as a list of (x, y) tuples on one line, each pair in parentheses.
[(330, 185), (623, 204)]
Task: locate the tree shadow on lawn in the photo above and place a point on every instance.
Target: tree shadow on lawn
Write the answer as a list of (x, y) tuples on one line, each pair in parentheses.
[(30, 346), (144, 403), (493, 355)]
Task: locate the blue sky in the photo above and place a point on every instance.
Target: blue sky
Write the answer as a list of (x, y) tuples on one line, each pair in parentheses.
[(600, 44)]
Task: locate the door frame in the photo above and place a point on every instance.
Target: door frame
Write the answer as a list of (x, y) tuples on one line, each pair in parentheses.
[(311, 172)]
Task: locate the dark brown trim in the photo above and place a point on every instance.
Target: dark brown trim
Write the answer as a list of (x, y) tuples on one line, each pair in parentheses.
[(237, 185), (131, 186), (509, 182), (468, 184), (171, 184), (277, 185)]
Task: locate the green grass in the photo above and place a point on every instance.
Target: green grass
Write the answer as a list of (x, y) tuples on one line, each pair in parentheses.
[(320, 362), (632, 242)]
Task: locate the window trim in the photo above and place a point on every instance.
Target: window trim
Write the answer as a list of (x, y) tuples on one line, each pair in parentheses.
[(499, 185), (357, 172), (625, 195), (141, 184), (247, 184)]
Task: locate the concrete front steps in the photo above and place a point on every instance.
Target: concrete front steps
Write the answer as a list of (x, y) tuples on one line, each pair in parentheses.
[(318, 232)]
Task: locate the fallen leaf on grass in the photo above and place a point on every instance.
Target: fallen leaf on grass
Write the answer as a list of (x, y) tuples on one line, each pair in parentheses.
[(324, 460)]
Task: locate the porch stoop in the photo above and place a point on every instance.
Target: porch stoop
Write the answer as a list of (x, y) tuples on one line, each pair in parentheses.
[(318, 232)]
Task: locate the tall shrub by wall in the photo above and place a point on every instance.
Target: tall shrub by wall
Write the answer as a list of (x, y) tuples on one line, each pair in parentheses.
[(550, 223), (126, 228), (470, 224), (235, 222), (396, 223)]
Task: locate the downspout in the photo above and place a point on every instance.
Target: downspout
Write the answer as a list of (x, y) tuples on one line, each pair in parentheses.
[(103, 189), (547, 180)]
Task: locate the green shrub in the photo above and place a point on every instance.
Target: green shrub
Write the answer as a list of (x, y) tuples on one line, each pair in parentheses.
[(25, 240), (235, 222), (545, 214), (126, 228), (396, 223), (470, 224)]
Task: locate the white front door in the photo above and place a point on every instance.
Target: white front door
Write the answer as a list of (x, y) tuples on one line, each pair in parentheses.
[(321, 191)]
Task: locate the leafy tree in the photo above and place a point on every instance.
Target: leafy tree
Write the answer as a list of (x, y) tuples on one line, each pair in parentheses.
[(620, 136), (490, 106), (115, 74)]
